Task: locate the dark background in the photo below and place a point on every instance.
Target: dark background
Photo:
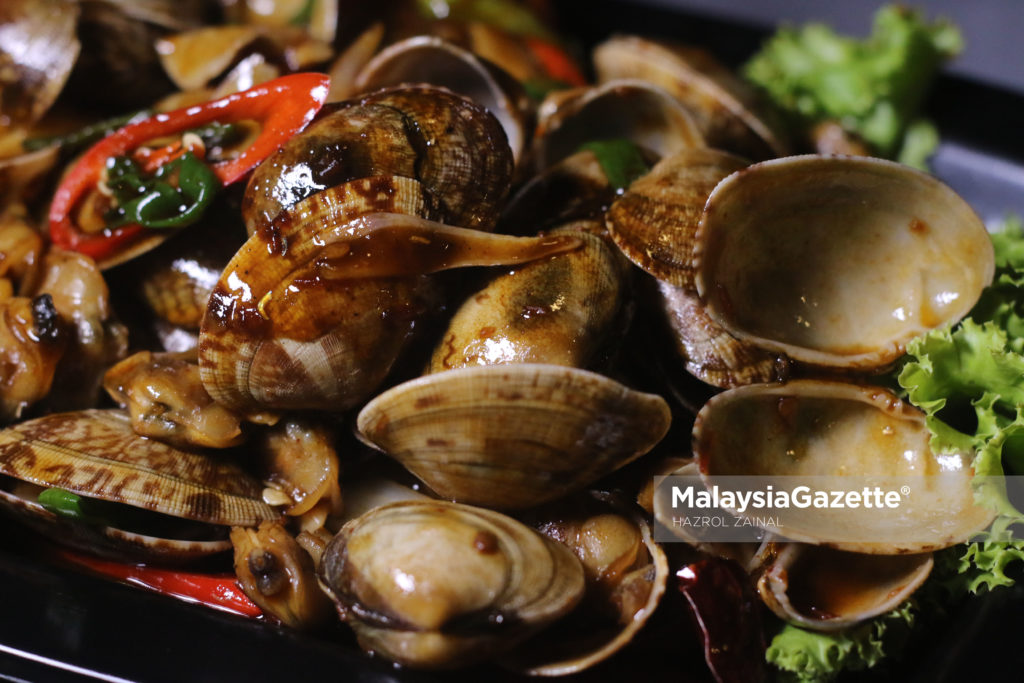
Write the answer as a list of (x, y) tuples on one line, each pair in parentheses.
[(59, 625)]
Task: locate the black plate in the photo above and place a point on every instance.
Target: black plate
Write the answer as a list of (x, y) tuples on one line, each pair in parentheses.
[(58, 624)]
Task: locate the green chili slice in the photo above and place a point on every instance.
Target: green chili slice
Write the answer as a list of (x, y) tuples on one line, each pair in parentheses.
[(177, 195)]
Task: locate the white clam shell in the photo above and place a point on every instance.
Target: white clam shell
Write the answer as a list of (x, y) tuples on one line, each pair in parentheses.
[(838, 261)]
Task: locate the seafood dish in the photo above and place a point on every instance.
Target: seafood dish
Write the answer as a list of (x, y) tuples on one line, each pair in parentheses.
[(393, 327)]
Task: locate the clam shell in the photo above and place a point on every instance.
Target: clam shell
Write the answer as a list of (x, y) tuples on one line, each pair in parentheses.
[(575, 188), (826, 590), (632, 593), (726, 109), (38, 48), (117, 544), (454, 148), (838, 261), (655, 222), (810, 428), (561, 310), (431, 60), (711, 354), (95, 453), (313, 312), (436, 584), (749, 555), (637, 111), (463, 155), (513, 436)]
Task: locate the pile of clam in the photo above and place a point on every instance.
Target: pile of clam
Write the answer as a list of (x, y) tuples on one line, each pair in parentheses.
[(504, 391)]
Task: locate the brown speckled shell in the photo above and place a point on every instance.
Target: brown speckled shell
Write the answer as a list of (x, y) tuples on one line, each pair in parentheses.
[(429, 59), (463, 157), (312, 312), (95, 453), (513, 436), (655, 222), (456, 149), (710, 353)]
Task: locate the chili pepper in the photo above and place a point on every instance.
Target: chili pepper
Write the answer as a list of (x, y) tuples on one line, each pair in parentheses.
[(556, 61), (284, 106), (219, 591), (83, 137), (63, 503), (70, 505), (154, 202)]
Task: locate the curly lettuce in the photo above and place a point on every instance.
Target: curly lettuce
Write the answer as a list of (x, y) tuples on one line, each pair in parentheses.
[(874, 87), (969, 381), (810, 656)]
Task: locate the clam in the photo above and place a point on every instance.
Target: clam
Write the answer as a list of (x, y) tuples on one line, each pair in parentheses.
[(563, 310), (575, 188), (166, 400), (454, 148), (301, 465), (626, 574), (177, 279), (826, 590), (833, 436), (431, 60), (32, 343), (709, 353), (38, 48), (655, 221), (751, 555), (315, 318), (344, 236), (158, 489), (838, 261), (279, 576), (726, 109), (196, 58), (513, 436), (435, 584), (634, 110)]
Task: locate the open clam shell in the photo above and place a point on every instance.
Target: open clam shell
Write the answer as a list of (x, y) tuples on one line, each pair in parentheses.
[(513, 436), (838, 261), (826, 590), (837, 433), (436, 584), (95, 454), (637, 111), (429, 59), (725, 108)]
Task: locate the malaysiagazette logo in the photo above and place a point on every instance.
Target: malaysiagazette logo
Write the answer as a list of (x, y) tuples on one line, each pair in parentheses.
[(769, 498)]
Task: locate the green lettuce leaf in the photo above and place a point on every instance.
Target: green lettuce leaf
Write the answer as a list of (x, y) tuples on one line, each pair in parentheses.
[(806, 656), (969, 381), (873, 87)]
